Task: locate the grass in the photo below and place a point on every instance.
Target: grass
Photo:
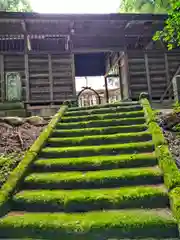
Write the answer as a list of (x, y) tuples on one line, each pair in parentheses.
[(100, 139), (102, 123), (175, 202), (103, 116), (96, 199), (104, 110), (92, 225), (97, 179), (96, 162), (99, 131), (84, 151)]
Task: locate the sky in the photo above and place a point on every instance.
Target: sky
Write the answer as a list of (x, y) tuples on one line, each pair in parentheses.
[(75, 6), (78, 6)]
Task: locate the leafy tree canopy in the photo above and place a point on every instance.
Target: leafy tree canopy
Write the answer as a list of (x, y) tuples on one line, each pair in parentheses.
[(171, 32), (15, 5), (144, 6)]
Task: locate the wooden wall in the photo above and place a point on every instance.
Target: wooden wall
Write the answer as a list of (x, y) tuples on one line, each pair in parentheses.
[(45, 77), (149, 71)]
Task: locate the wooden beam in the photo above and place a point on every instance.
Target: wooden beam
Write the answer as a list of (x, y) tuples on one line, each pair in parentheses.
[(148, 75), (2, 78), (27, 41), (50, 77), (120, 79), (26, 65), (127, 73)]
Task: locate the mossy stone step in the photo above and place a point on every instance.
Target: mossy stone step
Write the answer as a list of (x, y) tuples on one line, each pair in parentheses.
[(102, 123), (99, 139), (113, 109), (94, 163), (94, 179), (138, 223), (84, 151), (96, 199), (102, 116), (108, 105), (98, 131)]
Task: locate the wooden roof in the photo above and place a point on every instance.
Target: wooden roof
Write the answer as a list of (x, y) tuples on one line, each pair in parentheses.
[(86, 31)]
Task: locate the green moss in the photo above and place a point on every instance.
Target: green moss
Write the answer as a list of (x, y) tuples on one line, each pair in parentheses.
[(175, 202), (103, 116), (100, 139), (96, 199), (102, 123), (104, 110), (109, 105), (149, 113), (168, 166), (95, 179), (99, 131), (157, 134), (19, 172), (114, 149), (96, 162), (92, 225)]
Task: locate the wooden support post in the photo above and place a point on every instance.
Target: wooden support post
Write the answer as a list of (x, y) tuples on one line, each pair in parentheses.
[(2, 78), (167, 71), (120, 79), (26, 64), (106, 90), (148, 76), (50, 78), (73, 76), (127, 74)]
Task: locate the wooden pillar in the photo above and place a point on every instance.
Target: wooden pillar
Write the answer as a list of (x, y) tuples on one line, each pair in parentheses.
[(106, 90), (120, 79), (167, 70), (148, 75), (50, 78), (2, 78), (26, 64), (127, 74), (73, 76)]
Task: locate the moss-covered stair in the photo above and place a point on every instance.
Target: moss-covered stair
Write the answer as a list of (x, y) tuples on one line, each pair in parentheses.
[(97, 178)]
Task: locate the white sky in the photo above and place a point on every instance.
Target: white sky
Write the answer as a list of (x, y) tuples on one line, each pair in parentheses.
[(75, 6)]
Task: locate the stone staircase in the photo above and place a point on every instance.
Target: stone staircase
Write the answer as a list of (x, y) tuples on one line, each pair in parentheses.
[(97, 178)]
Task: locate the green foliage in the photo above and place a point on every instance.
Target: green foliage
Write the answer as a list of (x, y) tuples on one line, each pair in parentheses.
[(85, 200), (97, 179), (15, 5), (96, 163), (175, 202), (122, 224), (171, 32), (144, 6), (149, 113)]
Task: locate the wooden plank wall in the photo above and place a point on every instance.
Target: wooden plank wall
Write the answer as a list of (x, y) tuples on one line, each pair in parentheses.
[(46, 77), (151, 72)]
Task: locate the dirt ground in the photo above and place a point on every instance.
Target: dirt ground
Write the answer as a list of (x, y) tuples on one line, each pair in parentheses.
[(17, 139), (170, 123)]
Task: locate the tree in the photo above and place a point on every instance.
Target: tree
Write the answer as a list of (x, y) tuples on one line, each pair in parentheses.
[(144, 6), (15, 5), (171, 32)]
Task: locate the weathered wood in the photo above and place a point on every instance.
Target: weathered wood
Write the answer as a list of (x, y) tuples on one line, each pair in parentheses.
[(148, 76), (73, 76), (50, 76), (26, 64), (167, 70), (2, 78), (106, 90)]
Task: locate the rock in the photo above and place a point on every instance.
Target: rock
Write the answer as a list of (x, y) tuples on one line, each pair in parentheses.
[(15, 121), (36, 121)]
